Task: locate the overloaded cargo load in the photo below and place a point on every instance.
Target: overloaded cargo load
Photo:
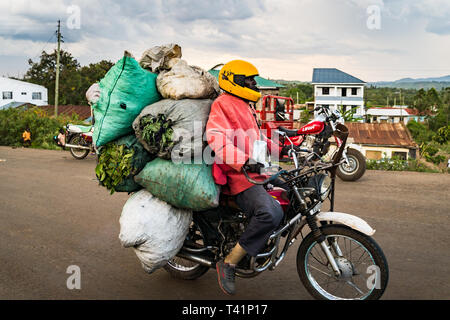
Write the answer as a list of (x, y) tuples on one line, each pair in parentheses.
[(93, 93), (160, 58), (119, 161), (185, 186), (187, 82), (154, 229), (173, 129), (125, 90)]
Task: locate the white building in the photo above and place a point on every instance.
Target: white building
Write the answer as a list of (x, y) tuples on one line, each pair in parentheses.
[(14, 92), (394, 114), (335, 88)]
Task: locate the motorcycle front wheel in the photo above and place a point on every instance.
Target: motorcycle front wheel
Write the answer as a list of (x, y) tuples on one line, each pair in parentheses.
[(78, 153), (355, 168), (363, 267)]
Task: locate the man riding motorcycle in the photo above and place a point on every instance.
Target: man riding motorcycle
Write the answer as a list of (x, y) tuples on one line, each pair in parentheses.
[(233, 134)]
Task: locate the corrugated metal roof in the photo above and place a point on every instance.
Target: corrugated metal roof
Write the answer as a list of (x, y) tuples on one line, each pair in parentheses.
[(333, 75), (260, 81), (82, 111), (383, 134)]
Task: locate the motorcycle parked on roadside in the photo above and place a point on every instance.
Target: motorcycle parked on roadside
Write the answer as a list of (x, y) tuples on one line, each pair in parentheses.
[(315, 135), (337, 259), (78, 139)]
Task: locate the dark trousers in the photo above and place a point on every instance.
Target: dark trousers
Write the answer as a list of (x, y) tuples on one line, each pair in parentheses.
[(265, 215)]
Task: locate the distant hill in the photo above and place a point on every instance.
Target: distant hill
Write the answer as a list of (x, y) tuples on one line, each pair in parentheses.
[(410, 83)]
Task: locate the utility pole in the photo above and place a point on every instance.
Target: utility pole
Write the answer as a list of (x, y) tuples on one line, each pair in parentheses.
[(58, 34)]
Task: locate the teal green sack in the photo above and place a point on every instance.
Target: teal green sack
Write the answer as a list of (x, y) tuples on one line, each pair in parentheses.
[(124, 91), (119, 161), (185, 186)]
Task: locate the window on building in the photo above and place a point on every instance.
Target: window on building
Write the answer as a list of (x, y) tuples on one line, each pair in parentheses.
[(36, 96), (344, 92), (373, 155), (374, 119), (24, 93), (399, 155), (325, 91), (7, 95), (354, 91)]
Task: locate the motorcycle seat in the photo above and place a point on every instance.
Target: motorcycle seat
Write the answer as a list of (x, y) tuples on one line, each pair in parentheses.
[(78, 128), (289, 133)]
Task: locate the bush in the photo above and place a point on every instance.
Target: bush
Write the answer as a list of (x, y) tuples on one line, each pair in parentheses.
[(396, 164), (14, 121), (420, 132), (443, 135)]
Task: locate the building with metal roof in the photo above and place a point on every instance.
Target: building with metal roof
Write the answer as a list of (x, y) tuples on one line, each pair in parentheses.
[(16, 93), (383, 140), (337, 89)]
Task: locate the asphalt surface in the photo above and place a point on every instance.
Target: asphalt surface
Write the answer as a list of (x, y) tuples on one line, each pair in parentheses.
[(53, 214)]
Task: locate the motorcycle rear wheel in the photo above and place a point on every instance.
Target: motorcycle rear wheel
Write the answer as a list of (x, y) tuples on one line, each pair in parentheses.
[(361, 279), (183, 268), (78, 154)]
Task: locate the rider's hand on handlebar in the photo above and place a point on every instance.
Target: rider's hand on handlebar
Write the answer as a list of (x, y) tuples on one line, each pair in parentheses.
[(253, 167)]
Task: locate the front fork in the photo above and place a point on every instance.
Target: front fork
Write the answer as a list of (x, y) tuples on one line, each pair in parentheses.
[(320, 238)]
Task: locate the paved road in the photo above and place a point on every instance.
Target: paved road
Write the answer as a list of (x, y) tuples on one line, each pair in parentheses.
[(53, 214)]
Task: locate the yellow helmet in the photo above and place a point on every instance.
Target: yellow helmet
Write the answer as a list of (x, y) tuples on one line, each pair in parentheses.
[(232, 79)]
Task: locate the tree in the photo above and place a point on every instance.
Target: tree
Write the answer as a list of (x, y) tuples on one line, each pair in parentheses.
[(44, 74), (74, 80)]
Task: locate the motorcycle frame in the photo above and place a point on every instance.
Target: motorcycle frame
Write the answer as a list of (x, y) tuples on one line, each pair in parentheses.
[(298, 222)]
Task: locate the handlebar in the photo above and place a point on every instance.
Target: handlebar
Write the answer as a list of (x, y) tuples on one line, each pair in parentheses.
[(273, 177)]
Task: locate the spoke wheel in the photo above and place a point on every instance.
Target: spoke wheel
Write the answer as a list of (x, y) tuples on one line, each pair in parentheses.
[(361, 262), (185, 269), (78, 153), (355, 168)]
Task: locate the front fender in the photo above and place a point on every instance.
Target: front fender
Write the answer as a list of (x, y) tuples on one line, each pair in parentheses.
[(348, 220)]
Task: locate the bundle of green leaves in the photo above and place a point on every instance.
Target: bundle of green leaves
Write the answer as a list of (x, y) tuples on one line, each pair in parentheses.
[(157, 132), (114, 165)]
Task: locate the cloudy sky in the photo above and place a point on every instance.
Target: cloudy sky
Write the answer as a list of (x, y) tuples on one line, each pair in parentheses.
[(371, 39)]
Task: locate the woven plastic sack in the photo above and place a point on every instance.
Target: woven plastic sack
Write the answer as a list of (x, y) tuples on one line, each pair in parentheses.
[(125, 90), (187, 119), (138, 161), (93, 93), (185, 186), (154, 229), (160, 58), (187, 82)]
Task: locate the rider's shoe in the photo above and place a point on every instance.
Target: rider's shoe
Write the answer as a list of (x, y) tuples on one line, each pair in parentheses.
[(225, 275)]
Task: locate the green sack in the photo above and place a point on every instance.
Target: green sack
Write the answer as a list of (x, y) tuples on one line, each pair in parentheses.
[(185, 186), (119, 161), (125, 90)]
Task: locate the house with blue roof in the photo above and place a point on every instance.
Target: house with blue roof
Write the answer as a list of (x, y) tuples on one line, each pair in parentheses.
[(335, 89)]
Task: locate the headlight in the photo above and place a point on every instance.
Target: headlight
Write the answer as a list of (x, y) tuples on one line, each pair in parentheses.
[(325, 186)]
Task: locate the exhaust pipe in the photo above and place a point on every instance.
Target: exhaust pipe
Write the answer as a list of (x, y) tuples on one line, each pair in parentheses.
[(198, 258), (76, 146)]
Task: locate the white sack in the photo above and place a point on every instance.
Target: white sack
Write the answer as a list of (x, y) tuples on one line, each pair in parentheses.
[(93, 93), (154, 229), (187, 82), (160, 58)]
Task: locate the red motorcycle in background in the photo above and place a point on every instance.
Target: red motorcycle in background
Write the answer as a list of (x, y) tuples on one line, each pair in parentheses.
[(315, 136)]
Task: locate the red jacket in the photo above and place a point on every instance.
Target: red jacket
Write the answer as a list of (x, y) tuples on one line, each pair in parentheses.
[(231, 131)]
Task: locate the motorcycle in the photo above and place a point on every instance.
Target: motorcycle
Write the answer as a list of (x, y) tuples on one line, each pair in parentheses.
[(79, 140), (314, 136), (337, 259)]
